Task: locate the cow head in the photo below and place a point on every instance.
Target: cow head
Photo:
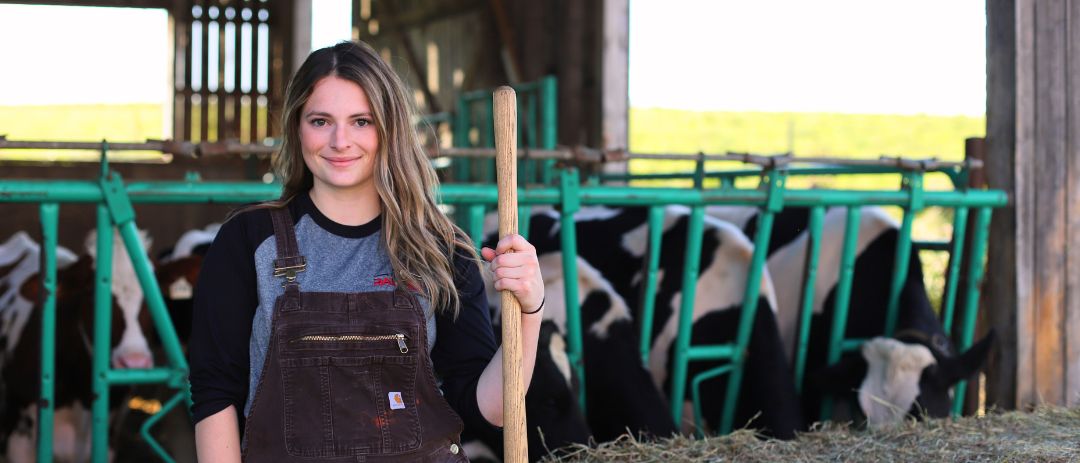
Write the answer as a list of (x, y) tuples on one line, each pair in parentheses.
[(133, 350), (897, 377), (75, 302)]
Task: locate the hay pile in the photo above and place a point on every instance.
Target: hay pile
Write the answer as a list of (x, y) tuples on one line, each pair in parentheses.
[(1047, 434)]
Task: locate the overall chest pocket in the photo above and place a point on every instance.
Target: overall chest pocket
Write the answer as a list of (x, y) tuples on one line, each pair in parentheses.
[(350, 394)]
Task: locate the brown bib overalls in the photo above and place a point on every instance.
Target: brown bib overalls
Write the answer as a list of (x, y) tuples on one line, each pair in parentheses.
[(347, 377)]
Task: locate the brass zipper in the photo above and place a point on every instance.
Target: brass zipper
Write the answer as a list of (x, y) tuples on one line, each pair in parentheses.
[(400, 338)]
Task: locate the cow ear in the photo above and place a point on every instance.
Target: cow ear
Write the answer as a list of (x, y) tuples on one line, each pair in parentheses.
[(846, 376), (965, 365)]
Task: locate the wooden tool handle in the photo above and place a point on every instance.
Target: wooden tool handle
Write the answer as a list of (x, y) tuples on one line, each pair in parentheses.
[(514, 437)]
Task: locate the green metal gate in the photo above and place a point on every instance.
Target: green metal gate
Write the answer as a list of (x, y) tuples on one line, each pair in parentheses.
[(114, 199)]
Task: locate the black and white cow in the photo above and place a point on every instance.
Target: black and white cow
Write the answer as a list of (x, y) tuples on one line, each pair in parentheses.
[(553, 418), (614, 240), (890, 378), (74, 328), (632, 402), (619, 391)]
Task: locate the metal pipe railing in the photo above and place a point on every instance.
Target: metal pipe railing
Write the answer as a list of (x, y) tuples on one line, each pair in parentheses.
[(114, 199)]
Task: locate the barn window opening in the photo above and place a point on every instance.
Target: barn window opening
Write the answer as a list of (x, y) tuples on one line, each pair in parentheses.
[(103, 85)]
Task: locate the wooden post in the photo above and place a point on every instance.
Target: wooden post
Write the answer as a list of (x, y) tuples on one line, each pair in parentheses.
[(514, 442), (974, 149), (1002, 294)]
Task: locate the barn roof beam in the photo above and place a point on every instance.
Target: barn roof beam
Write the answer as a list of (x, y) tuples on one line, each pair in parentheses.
[(410, 54), (436, 11)]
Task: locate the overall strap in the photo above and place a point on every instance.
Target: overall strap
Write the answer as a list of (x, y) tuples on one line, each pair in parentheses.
[(289, 262)]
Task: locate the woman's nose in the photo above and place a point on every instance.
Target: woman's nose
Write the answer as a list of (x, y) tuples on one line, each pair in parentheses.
[(339, 139)]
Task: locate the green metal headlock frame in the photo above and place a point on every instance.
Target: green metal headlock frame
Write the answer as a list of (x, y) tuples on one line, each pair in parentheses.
[(114, 209), (971, 303), (771, 197), (538, 106), (912, 186), (773, 181)]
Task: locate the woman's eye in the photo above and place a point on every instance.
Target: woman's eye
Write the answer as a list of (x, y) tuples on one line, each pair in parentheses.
[(363, 122), (318, 122)]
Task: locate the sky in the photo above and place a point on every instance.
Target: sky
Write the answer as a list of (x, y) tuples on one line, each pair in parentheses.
[(851, 56), (68, 55), (855, 56)]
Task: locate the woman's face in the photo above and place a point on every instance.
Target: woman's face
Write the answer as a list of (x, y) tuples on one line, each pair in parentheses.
[(338, 137)]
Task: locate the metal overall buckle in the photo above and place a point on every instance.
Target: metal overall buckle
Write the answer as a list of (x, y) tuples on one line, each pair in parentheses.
[(289, 272)]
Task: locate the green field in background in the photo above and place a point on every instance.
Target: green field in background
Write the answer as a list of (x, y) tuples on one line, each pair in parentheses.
[(113, 122), (845, 135), (865, 136)]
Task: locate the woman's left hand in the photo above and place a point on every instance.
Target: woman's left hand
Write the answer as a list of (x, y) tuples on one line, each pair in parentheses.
[(514, 264)]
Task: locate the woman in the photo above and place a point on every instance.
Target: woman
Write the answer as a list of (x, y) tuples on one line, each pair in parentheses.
[(348, 317)]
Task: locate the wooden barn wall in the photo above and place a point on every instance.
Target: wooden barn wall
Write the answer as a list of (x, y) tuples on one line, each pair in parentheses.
[(218, 103), (456, 46), (1033, 136), (165, 222)]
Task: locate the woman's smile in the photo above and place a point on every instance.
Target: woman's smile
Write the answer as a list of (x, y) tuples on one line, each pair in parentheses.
[(341, 161)]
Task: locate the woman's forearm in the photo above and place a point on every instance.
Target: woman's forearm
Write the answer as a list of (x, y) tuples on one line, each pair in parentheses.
[(489, 392), (217, 437)]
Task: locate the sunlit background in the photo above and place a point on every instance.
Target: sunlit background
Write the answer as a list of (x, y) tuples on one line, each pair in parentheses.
[(839, 56), (848, 78)]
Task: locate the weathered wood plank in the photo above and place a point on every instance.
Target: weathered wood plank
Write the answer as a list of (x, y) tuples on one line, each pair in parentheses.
[(1050, 198), (615, 69), (1072, 154), (573, 120), (185, 23), (1024, 160), (974, 150), (204, 76), (999, 296)]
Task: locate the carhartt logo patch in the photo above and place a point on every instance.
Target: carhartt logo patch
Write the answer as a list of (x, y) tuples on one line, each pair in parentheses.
[(383, 280), (395, 400)]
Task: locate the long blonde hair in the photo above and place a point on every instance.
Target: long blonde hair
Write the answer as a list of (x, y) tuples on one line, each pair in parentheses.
[(420, 240)]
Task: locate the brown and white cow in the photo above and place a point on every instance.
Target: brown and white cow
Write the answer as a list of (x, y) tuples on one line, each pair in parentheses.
[(19, 260), (74, 329)]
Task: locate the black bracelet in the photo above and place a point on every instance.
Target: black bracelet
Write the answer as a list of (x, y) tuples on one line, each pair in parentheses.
[(538, 308)]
